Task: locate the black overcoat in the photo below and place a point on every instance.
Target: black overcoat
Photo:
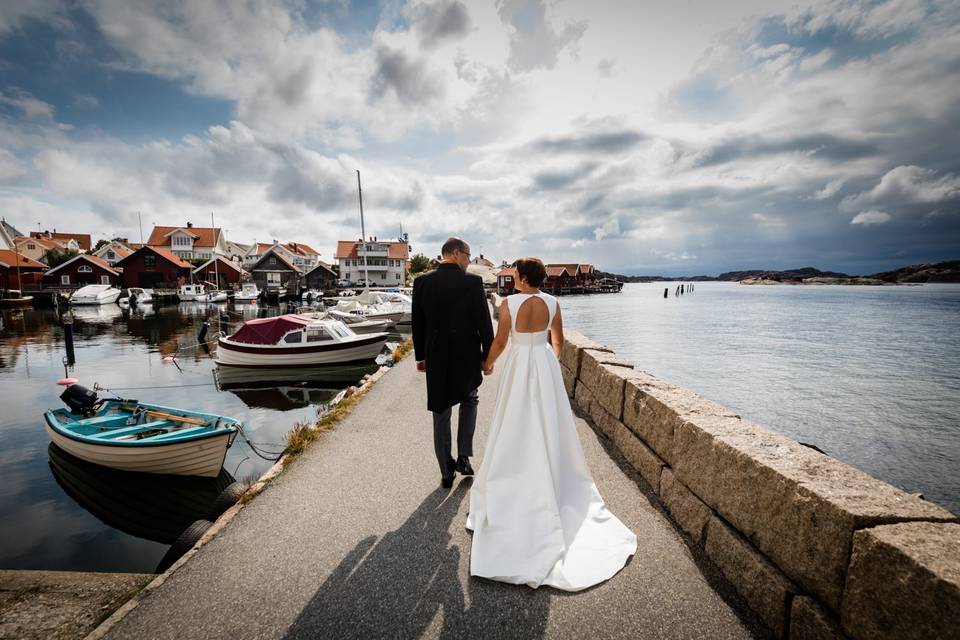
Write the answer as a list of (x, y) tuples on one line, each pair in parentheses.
[(452, 332)]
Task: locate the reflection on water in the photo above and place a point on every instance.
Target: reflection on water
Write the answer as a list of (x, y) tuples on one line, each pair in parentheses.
[(145, 505), (59, 513)]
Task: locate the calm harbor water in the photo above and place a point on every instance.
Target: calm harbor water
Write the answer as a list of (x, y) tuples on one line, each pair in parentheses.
[(871, 375), (57, 512)]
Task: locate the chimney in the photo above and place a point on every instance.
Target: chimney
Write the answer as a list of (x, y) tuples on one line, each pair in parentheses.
[(189, 225)]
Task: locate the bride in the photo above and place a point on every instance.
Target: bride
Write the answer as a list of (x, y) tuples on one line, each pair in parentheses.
[(535, 512)]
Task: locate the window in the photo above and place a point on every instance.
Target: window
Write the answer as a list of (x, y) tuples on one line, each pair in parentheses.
[(273, 260), (84, 268), (273, 278), (398, 276), (317, 335), (149, 261), (111, 255), (64, 279), (104, 279), (293, 337), (31, 247)]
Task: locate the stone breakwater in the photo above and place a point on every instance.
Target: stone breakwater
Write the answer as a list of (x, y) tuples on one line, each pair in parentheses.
[(817, 548)]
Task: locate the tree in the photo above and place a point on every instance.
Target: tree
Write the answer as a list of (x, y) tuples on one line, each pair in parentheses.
[(419, 263), (100, 243), (55, 257)]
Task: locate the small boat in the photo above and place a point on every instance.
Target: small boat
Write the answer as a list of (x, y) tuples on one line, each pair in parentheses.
[(213, 295), (248, 293), (370, 312), (15, 298), (95, 294), (135, 436), (294, 340), (358, 323), (189, 292), (136, 296)]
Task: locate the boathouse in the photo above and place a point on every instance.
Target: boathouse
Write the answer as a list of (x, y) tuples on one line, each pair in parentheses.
[(30, 271), (225, 274), (80, 271), (275, 275), (154, 268), (322, 277)]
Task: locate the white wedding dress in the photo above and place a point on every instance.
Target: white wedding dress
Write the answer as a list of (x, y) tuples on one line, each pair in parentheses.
[(535, 512)]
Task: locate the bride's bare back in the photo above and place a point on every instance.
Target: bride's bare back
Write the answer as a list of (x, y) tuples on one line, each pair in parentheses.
[(533, 316)]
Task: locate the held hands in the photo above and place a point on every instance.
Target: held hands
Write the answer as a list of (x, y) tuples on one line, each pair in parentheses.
[(487, 367), (422, 366)]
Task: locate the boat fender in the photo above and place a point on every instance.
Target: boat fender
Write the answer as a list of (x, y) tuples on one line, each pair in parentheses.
[(227, 498), (190, 536)]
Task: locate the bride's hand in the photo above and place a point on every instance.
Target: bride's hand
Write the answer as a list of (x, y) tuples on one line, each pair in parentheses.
[(487, 368)]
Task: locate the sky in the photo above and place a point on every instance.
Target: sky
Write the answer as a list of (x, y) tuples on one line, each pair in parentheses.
[(674, 138)]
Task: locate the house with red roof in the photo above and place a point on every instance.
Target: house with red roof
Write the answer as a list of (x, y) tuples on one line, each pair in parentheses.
[(80, 271), (114, 252), (224, 273), (36, 248), (154, 268), (190, 242), (76, 241), (386, 262), (30, 271), (300, 254)]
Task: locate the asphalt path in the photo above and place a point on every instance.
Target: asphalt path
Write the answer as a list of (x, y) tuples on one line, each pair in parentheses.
[(356, 539)]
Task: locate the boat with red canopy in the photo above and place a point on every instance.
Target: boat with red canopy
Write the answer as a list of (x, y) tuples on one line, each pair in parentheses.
[(294, 340)]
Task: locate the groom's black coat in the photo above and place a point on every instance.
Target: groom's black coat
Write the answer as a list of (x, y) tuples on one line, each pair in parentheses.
[(452, 332)]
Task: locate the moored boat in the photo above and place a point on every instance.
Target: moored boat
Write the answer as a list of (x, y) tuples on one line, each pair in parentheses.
[(15, 298), (248, 293), (136, 295), (95, 294), (293, 340), (137, 436)]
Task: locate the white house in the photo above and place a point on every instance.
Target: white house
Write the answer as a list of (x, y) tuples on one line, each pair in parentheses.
[(190, 242), (386, 262)]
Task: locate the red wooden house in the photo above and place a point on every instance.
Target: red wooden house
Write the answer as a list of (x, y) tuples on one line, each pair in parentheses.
[(30, 271), (154, 268), (80, 271), (224, 273)]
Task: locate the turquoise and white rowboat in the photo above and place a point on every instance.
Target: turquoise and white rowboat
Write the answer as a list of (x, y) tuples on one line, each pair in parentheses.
[(135, 436)]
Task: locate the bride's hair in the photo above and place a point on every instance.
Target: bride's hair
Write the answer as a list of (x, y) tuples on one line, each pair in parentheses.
[(531, 270)]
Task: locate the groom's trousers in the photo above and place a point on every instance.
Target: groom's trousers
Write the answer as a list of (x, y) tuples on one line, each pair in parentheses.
[(466, 424)]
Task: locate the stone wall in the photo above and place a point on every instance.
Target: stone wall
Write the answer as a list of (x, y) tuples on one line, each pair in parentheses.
[(817, 548)]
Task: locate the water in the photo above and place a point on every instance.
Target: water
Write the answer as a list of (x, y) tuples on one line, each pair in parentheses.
[(871, 375), (57, 512)]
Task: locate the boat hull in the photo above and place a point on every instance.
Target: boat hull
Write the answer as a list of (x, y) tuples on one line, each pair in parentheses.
[(234, 354), (108, 298), (192, 458)]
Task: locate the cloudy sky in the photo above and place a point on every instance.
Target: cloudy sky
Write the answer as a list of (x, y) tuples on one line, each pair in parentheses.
[(645, 137)]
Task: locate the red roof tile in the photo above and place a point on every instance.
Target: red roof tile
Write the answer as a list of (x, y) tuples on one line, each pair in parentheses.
[(83, 239), (205, 236), (9, 258), (395, 250)]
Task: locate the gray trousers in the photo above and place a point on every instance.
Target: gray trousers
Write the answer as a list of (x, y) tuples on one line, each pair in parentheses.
[(466, 424)]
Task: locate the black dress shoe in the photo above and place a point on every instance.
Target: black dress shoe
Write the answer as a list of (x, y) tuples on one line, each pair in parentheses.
[(463, 466), (446, 482)]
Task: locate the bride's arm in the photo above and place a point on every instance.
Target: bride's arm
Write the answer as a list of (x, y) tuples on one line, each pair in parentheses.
[(500, 340), (556, 333)]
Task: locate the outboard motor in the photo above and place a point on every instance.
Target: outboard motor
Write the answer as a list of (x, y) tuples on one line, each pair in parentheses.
[(81, 400)]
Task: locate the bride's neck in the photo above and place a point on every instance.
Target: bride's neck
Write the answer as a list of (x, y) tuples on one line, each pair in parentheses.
[(527, 289)]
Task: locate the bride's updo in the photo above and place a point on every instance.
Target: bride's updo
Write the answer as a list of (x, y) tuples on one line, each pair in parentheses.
[(531, 270)]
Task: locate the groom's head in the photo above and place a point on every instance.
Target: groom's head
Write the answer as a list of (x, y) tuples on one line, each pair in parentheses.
[(456, 250)]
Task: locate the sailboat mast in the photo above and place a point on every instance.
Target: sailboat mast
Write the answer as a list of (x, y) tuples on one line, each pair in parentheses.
[(216, 270), (363, 234), (16, 252)]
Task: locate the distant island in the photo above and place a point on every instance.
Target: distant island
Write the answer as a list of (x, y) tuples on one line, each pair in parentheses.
[(948, 271)]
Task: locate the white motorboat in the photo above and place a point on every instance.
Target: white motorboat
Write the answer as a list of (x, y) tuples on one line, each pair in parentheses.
[(248, 293), (357, 323), (213, 295), (293, 340), (312, 296), (370, 312), (137, 296), (95, 294), (189, 292)]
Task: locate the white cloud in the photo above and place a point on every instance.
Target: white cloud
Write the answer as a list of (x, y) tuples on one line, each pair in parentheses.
[(870, 218), (829, 190), (907, 185), (31, 107)]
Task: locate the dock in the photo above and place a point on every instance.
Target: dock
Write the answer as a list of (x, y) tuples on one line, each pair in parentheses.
[(356, 539)]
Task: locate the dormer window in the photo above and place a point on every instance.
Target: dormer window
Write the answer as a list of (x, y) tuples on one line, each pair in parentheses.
[(111, 255)]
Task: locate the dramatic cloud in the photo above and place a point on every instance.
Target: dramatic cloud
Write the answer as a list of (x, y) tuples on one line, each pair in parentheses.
[(748, 135)]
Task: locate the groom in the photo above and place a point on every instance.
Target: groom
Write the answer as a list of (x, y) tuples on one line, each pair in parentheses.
[(452, 334)]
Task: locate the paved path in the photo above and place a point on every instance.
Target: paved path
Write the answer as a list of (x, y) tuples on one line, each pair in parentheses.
[(356, 539)]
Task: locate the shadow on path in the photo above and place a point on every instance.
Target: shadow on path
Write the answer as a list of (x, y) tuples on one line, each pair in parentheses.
[(396, 586)]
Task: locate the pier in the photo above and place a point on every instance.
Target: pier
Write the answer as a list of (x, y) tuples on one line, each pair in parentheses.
[(742, 533)]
